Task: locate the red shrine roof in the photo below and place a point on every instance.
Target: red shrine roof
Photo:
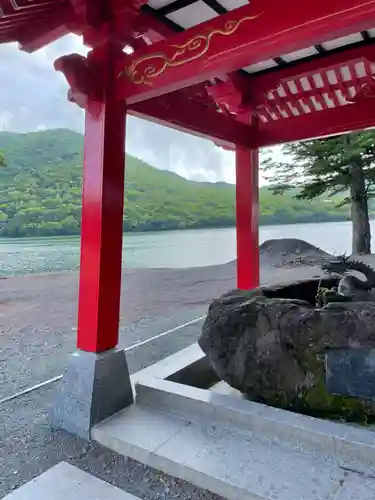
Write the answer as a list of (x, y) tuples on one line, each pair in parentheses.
[(304, 82), (19, 18), (323, 87), (180, 15)]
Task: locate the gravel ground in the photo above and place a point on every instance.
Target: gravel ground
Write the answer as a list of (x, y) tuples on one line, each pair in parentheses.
[(29, 447), (37, 331), (38, 317)]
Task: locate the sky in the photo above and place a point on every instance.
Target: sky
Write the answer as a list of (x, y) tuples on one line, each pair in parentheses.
[(33, 97)]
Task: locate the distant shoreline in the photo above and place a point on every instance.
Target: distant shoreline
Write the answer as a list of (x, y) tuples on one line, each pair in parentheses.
[(287, 253), (157, 231)]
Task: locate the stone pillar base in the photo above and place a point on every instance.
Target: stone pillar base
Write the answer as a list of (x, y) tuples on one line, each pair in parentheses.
[(94, 387)]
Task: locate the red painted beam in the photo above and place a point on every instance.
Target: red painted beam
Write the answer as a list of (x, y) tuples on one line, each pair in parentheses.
[(30, 43), (247, 35), (34, 37), (247, 217), (188, 116), (334, 121)]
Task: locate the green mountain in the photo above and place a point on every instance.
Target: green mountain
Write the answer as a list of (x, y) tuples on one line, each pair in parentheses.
[(40, 193)]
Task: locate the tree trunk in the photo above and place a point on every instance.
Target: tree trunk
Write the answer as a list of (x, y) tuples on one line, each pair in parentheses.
[(361, 233)]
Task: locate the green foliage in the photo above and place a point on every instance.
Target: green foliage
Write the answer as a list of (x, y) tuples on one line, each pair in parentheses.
[(324, 166), (40, 193), (287, 209), (2, 160)]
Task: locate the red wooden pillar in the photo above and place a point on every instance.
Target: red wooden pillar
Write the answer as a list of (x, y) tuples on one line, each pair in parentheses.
[(247, 217), (102, 212)]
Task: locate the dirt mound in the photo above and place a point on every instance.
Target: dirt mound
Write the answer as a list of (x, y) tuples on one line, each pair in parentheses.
[(291, 252)]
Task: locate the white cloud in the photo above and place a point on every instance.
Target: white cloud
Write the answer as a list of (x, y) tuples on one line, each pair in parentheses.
[(5, 120)]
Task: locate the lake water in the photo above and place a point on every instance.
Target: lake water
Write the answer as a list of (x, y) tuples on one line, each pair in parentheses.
[(164, 249)]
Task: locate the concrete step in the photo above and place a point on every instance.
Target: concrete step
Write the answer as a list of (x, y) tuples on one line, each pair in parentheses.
[(228, 460), (66, 482), (351, 446)]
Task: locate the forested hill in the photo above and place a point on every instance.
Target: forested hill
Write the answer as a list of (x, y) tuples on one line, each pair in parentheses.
[(40, 193)]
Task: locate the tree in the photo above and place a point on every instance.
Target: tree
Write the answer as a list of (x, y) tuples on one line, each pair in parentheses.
[(340, 164), (2, 160)]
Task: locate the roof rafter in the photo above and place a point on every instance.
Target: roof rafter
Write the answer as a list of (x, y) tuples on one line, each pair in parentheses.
[(350, 118), (260, 85)]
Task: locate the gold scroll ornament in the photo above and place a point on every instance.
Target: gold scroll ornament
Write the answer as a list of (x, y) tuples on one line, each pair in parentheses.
[(141, 74)]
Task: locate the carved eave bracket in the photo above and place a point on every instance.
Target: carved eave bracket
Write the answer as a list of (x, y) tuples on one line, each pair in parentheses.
[(367, 91), (83, 77), (232, 98)]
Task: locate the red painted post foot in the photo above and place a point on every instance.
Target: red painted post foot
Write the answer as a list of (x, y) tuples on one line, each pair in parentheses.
[(247, 217)]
